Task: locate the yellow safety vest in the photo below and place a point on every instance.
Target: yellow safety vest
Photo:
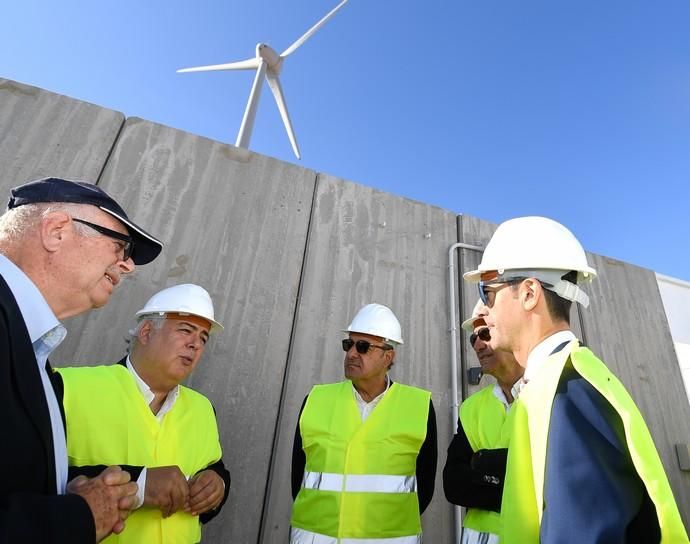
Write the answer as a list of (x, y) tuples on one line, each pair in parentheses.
[(523, 494), (487, 426), (359, 480), (109, 423)]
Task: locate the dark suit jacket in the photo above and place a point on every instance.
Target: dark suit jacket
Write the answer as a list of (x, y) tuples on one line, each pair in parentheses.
[(592, 492), (31, 511), (134, 471)]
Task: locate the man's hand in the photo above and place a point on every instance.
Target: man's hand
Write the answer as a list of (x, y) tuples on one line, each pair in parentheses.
[(166, 489), (206, 492), (110, 496)]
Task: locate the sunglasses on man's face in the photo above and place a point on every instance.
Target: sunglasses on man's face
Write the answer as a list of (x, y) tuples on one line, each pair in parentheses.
[(126, 242), (362, 346), (488, 290), (483, 334)]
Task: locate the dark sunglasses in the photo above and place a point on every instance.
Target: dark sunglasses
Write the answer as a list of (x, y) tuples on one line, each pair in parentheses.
[(483, 334), (127, 242), (362, 346)]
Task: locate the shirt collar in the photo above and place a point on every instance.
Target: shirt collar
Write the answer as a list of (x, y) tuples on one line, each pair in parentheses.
[(38, 316), (141, 384), (500, 395), (538, 356), (359, 398), (148, 394), (541, 352)]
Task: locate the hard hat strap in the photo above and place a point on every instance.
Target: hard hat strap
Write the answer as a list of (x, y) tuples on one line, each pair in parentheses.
[(570, 291)]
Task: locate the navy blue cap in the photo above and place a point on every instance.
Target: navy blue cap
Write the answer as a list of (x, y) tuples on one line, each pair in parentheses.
[(146, 247)]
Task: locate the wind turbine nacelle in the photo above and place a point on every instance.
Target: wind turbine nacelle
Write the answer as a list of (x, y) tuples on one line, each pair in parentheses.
[(270, 56), (267, 63)]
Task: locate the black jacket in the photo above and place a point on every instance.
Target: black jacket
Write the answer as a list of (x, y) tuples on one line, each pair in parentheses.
[(31, 511)]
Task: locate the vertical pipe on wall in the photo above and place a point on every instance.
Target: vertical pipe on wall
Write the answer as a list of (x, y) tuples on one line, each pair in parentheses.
[(452, 318)]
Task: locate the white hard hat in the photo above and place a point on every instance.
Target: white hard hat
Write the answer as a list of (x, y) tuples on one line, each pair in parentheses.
[(471, 322), (184, 299), (536, 247), (377, 320)]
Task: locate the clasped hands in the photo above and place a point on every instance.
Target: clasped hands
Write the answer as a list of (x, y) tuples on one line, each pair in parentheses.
[(110, 497), (168, 489)]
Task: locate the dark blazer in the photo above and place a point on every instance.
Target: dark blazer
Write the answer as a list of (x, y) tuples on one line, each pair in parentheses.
[(592, 491), (134, 471), (474, 479), (31, 511)]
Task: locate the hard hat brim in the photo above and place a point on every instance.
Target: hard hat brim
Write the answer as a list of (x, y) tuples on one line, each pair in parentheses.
[(585, 274), (469, 324), (215, 326), (473, 276), (397, 342)]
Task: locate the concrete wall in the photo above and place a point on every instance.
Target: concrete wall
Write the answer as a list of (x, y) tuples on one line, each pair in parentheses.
[(288, 255)]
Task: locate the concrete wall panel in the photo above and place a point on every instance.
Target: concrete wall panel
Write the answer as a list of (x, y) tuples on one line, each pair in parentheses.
[(367, 246), (47, 134), (236, 223)]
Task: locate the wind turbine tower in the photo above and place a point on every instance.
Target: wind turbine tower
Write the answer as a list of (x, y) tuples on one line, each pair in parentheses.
[(267, 63)]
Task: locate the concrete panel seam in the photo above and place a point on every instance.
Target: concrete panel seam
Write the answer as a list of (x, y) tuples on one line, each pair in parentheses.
[(111, 151), (286, 373)]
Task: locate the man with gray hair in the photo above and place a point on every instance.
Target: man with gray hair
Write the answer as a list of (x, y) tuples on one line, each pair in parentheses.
[(64, 247), (138, 415)]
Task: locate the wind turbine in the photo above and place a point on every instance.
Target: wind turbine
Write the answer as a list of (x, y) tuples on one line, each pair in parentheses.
[(267, 63)]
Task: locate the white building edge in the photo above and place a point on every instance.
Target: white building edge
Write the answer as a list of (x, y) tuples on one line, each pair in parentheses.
[(675, 295)]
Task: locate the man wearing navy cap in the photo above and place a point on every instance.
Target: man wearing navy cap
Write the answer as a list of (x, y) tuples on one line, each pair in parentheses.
[(64, 247)]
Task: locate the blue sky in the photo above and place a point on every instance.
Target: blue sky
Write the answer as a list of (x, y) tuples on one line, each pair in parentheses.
[(577, 110)]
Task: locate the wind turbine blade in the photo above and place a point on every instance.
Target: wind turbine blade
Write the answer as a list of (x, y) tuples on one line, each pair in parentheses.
[(249, 64), (311, 31), (245, 133), (274, 84)]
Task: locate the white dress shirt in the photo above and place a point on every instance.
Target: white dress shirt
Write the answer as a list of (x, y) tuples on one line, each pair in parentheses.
[(500, 395), (45, 333), (148, 395), (365, 408), (168, 403), (538, 356)]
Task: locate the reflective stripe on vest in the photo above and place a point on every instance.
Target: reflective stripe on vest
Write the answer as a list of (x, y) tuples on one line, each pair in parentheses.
[(487, 426), (109, 423), (372, 483), (359, 480), (522, 505), (301, 536)]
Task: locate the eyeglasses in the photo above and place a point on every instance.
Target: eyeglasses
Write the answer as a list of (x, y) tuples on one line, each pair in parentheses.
[(487, 293), (127, 244), (483, 334), (362, 346)]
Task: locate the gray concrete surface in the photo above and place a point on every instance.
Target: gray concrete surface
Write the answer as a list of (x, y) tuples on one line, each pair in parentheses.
[(288, 256), (46, 134)]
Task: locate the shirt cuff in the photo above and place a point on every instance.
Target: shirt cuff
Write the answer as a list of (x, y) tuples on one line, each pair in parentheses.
[(141, 489)]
